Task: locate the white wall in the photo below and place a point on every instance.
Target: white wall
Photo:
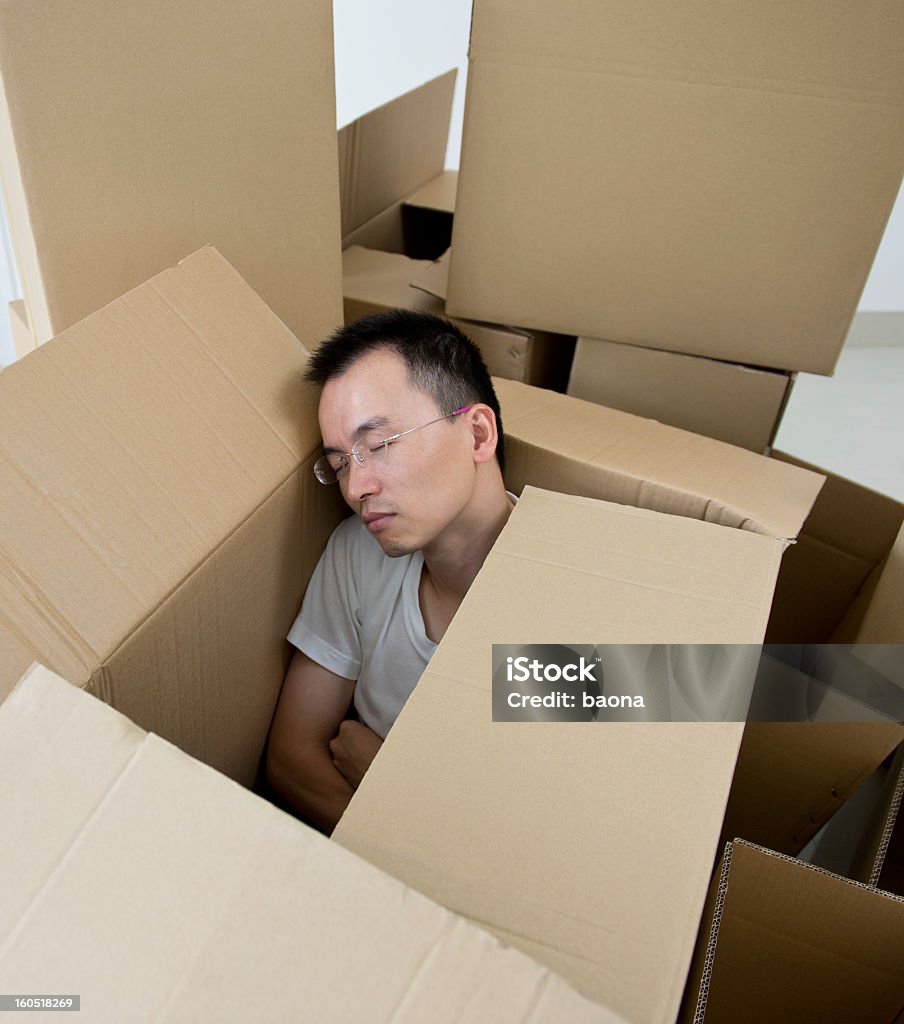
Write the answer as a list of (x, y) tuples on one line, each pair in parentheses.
[(385, 49)]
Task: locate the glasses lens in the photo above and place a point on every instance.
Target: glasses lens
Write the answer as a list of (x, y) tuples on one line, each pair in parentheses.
[(324, 471)]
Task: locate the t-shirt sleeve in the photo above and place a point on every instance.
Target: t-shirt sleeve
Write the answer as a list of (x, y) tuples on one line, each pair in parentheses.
[(328, 627)]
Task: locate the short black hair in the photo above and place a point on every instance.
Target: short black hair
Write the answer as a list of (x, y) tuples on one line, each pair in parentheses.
[(442, 361)]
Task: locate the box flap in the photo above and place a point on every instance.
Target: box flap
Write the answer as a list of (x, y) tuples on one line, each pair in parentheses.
[(792, 777), (840, 553), (434, 279), (382, 280), (190, 387), (793, 942), (134, 134), (121, 835), (582, 448), (689, 177), (393, 150), (438, 194), (542, 832), (149, 473)]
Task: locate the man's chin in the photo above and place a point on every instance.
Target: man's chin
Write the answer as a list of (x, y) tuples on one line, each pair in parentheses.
[(394, 548)]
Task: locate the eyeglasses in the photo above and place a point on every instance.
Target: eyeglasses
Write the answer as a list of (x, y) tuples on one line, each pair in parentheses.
[(333, 466)]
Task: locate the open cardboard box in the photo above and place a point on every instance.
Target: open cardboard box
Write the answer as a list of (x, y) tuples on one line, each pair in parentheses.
[(784, 940), (687, 177), (374, 281), (155, 889), (394, 193), (162, 521), (116, 163)]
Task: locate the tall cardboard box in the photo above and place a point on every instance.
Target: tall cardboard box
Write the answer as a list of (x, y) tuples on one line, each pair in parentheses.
[(690, 177), (545, 832), (133, 134)]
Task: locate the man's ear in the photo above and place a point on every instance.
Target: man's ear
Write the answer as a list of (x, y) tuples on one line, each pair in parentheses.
[(482, 421)]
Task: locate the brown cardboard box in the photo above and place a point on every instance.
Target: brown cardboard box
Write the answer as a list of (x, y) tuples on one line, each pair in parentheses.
[(373, 282), (843, 581), (233, 910), (737, 404), (694, 178), (554, 854), (156, 478), (133, 134), (783, 940), (386, 159), (23, 339)]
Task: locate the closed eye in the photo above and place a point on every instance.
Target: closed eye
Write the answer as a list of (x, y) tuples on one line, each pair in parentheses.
[(384, 444)]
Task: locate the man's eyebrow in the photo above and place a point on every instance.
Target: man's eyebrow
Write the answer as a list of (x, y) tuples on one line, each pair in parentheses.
[(374, 423)]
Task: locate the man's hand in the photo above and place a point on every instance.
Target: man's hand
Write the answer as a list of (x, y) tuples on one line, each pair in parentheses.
[(353, 749)]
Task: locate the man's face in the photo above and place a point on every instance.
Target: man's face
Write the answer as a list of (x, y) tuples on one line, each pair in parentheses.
[(409, 494)]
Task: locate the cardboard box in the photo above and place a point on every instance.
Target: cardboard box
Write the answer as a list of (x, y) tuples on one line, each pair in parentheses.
[(542, 832), (156, 482), (133, 134), (377, 281), (683, 177), (234, 910), (23, 339), (843, 580), (792, 942), (737, 404), (386, 159), (163, 577)]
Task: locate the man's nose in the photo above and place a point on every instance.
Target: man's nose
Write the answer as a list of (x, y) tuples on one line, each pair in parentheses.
[(361, 481)]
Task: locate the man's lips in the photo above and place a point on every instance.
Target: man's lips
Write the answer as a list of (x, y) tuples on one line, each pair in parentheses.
[(375, 521)]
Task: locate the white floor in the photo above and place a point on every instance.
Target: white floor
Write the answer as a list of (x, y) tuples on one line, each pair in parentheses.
[(853, 422)]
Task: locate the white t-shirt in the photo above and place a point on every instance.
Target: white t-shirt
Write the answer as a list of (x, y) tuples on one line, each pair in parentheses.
[(361, 618)]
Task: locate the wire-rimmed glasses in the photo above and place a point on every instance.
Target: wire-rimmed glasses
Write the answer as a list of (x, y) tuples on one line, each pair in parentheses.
[(334, 465)]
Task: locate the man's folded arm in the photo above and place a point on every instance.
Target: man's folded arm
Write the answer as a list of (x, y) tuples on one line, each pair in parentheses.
[(300, 768)]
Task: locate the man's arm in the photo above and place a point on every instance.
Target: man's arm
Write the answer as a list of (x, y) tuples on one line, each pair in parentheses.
[(312, 706)]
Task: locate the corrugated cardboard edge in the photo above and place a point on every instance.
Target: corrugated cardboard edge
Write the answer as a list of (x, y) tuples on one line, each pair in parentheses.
[(719, 906)]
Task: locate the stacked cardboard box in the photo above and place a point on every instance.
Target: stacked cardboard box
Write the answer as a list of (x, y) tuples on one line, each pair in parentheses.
[(397, 208), (739, 404), (132, 135), (689, 180)]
